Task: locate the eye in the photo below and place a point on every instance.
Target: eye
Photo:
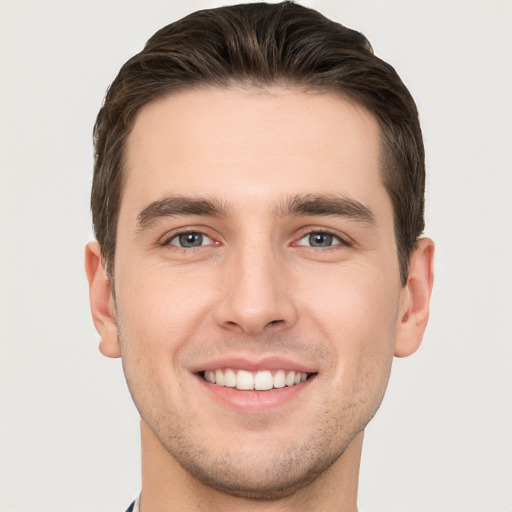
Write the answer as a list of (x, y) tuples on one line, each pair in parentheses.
[(320, 239), (190, 240)]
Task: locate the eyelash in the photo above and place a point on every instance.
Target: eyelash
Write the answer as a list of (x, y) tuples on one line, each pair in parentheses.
[(168, 240), (343, 241)]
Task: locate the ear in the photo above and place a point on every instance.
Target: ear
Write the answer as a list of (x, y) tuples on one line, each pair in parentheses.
[(102, 302), (415, 299)]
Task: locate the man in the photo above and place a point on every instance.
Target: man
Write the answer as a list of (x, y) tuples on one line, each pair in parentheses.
[(257, 201)]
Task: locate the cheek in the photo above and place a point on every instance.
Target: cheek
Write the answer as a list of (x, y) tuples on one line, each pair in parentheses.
[(156, 317), (158, 314), (356, 313), (161, 308)]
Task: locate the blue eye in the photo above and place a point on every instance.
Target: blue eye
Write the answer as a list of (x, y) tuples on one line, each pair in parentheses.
[(190, 240), (319, 239)]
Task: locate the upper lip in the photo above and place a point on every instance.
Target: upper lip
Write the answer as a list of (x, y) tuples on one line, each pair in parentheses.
[(254, 363)]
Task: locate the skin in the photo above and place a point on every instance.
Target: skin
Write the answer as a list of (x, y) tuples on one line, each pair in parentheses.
[(256, 290)]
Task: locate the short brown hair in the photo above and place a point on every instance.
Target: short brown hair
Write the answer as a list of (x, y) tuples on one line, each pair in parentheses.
[(263, 44)]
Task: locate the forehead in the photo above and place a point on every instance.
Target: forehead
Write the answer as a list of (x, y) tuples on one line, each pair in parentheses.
[(252, 145)]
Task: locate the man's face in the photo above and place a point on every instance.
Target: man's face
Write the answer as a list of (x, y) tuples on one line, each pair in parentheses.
[(255, 235)]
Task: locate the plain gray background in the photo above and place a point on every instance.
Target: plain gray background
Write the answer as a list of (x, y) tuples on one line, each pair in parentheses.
[(68, 430)]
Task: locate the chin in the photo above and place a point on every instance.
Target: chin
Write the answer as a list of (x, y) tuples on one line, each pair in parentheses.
[(261, 471), (274, 479)]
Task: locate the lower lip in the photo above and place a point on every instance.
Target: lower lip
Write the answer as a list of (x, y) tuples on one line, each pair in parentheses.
[(255, 401)]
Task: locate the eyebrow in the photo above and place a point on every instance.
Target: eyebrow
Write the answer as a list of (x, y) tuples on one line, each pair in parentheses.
[(328, 204), (175, 206), (302, 204)]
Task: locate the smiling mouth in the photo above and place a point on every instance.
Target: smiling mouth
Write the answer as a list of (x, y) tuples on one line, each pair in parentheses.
[(263, 380)]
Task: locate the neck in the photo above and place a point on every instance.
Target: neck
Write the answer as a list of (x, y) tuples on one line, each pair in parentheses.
[(167, 487)]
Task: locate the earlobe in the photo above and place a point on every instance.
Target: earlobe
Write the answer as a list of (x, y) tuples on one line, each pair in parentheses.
[(415, 300), (102, 303)]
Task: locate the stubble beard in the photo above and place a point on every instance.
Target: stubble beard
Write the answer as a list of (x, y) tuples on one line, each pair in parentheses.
[(267, 476), (271, 475), (240, 473)]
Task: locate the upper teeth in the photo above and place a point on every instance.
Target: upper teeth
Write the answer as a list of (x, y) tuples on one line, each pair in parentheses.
[(261, 380)]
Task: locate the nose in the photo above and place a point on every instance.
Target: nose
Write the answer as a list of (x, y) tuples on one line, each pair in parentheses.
[(256, 293)]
